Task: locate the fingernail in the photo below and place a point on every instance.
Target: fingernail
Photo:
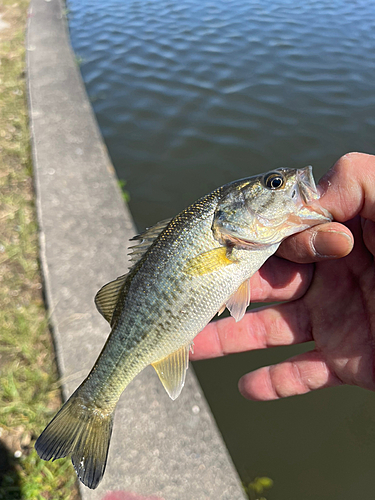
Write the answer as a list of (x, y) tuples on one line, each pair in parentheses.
[(331, 244)]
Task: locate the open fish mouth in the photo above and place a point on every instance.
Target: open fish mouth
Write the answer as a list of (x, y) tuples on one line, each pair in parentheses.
[(308, 194), (306, 184)]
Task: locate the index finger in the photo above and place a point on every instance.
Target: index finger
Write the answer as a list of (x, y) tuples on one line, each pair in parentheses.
[(284, 324), (347, 189)]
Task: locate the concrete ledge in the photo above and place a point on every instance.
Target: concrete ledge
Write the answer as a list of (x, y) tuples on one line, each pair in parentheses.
[(171, 450)]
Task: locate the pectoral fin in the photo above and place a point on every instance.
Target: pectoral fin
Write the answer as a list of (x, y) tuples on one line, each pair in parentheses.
[(239, 301), (172, 371), (208, 262)]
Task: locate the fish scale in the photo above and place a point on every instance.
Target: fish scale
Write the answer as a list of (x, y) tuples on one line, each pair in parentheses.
[(184, 271)]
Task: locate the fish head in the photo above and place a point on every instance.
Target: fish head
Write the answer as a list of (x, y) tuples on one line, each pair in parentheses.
[(267, 208)]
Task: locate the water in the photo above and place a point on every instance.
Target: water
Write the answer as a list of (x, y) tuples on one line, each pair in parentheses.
[(192, 94)]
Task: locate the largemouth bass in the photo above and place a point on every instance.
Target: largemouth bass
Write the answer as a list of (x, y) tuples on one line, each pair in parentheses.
[(185, 270)]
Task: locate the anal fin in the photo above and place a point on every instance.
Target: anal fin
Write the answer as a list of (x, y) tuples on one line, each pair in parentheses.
[(172, 371)]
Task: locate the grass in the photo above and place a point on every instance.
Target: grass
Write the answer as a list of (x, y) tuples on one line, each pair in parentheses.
[(29, 388), (257, 488)]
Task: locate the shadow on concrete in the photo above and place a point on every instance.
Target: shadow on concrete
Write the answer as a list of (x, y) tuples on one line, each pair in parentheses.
[(10, 488)]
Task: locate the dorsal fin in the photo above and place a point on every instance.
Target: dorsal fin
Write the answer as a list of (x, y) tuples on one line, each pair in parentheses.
[(107, 297), (146, 239)]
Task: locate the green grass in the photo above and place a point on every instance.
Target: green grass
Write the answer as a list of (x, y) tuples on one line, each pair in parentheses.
[(257, 488), (29, 388)]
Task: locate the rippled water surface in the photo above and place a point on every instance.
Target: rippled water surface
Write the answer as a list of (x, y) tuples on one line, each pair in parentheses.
[(192, 94)]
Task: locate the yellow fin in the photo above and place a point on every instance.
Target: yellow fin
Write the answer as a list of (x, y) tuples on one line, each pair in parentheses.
[(239, 301), (107, 297), (208, 262), (172, 371), (83, 431)]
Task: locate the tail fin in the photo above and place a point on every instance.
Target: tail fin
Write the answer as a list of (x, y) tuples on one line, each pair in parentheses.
[(82, 431)]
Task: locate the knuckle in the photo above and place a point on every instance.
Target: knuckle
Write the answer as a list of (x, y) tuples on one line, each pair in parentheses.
[(344, 165)]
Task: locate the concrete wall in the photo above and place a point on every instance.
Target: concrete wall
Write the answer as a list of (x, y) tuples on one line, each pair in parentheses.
[(171, 450)]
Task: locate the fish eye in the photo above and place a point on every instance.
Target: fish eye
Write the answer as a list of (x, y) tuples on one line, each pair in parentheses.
[(274, 180)]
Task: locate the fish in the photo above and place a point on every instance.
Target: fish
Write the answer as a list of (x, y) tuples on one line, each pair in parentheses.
[(184, 271)]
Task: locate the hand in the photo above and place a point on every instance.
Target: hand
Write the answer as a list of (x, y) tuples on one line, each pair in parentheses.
[(331, 302)]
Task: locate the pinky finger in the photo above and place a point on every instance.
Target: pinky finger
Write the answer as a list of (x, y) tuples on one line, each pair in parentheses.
[(298, 375)]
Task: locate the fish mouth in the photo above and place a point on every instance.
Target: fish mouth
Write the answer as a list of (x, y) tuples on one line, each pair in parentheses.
[(306, 184), (308, 194)]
